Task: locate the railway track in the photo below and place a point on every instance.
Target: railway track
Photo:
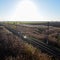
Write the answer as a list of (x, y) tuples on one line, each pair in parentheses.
[(40, 45)]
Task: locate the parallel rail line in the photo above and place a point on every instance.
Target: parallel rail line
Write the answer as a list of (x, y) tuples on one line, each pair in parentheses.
[(42, 46)]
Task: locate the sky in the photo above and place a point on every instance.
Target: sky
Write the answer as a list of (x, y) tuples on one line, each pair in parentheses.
[(29, 10)]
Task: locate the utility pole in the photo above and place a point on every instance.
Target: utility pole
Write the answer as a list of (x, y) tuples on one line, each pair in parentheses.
[(47, 33)]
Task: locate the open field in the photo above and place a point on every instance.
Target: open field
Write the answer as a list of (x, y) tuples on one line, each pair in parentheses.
[(40, 32), (14, 48)]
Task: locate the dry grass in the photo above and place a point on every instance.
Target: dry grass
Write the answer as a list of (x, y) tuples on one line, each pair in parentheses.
[(13, 48)]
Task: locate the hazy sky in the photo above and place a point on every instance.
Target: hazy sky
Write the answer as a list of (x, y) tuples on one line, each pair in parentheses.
[(29, 10)]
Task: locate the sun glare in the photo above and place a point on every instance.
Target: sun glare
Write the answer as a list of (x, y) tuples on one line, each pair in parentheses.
[(26, 10)]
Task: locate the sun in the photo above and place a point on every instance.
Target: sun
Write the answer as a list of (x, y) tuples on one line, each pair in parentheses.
[(26, 10)]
